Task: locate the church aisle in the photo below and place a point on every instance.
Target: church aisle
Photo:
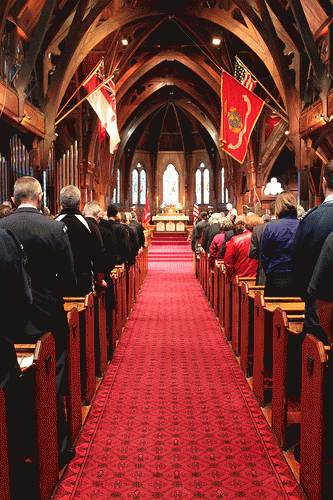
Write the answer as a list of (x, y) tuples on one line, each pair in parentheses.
[(174, 417)]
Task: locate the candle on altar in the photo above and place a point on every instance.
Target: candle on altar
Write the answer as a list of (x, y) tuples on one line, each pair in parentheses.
[(157, 201), (183, 201)]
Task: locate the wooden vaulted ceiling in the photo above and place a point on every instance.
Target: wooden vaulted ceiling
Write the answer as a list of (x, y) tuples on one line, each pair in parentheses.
[(168, 77)]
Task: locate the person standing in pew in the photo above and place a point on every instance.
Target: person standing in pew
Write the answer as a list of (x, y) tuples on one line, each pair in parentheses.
[(15, 297), (86, 243), (312, 231), (236, 260), (139, 229), (51, 269), (123, 249), (93, 212), (276, 248)]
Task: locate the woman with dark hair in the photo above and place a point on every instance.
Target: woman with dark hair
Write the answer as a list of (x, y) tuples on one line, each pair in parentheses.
[(277, 243)]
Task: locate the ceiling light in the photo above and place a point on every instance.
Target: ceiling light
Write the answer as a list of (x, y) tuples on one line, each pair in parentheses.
[(216, 41), (124, 41)]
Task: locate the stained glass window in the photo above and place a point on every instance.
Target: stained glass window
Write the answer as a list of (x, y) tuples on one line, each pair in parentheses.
[(198, 186), (143, 187), (135, 186), (170, 186), (118, 186), (206, 186)]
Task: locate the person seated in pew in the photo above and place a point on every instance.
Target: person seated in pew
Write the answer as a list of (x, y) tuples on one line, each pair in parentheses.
[(216, 245), (236, 259), (50, 266), (86, 243), (276, 248)]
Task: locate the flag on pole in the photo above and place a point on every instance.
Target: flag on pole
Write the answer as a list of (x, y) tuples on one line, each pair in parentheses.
[(146, 212), (243, 75), (240, 110), (195, 210), (103, 101)]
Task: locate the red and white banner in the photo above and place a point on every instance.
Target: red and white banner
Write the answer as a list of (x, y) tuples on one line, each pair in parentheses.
[(240, 110), (195, 212), (146, 213), (103, 101)]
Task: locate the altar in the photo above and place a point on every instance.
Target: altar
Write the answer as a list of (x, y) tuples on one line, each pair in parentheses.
[(170, 222)]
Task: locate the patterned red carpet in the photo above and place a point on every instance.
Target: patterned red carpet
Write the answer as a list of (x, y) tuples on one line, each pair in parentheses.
[(174, 417)]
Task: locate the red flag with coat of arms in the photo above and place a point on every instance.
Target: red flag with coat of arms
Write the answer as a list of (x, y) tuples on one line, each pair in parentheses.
[(240, 110)]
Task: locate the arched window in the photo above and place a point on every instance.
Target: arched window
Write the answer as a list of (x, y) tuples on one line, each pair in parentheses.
[(206, 186), (202, 184), (224, 191), (198, 191), (143, 188), (135, 186), (116, 191), (170, 186), (139, 185)]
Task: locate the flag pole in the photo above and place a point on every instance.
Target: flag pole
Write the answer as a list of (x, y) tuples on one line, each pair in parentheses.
[(81, 85), (84, 98), (270, 95)]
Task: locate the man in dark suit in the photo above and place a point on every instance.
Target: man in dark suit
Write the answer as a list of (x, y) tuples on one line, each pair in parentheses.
[(210, 231), (124, 250), (15, 296), (139, 229), (312, 231), (86, 243), (51, 269)]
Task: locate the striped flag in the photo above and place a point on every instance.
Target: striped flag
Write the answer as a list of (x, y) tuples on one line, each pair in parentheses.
[(243, 76), (146, 213), (195, 211)]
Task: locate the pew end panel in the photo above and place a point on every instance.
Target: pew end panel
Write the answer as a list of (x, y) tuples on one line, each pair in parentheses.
[(287, 349), (73, 397), (316, 361), (4, 466)]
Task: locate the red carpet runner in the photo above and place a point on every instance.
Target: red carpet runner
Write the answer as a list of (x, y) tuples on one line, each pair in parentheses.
[(174, 417)]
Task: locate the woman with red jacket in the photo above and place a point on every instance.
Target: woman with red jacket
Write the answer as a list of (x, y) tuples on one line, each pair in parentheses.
[(236, 259)]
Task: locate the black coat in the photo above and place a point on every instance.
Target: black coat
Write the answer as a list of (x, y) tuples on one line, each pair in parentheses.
[(51, 268), (140, 232)]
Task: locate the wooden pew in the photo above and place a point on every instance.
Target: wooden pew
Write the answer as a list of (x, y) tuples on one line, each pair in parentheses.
[(285, 368), (101, 340), (227, 308), (85, 307), (116, 275), (37, 389), (4, 467), (236, 285), (222, 292), (263, 337), (217, 289), (73, 397), (316, 393), (246, 325)]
